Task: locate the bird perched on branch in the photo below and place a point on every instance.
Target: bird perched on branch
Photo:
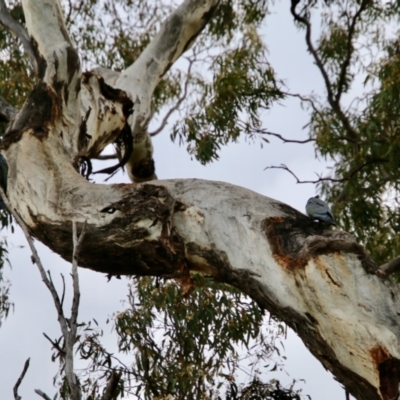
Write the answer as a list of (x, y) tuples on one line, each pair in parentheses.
[(318, 209), (3, 179)]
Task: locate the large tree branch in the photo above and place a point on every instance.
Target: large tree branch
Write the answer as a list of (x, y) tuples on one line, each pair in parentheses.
[(139, 80), (57, 94), (321, 283), (109, 116)]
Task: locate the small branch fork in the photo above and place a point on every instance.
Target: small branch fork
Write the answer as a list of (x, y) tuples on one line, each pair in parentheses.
[(279, 136), (333, 99), (320, 179)]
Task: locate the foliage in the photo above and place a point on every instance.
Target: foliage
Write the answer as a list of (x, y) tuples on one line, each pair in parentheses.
[(184, 346), (358, 45), (221, 87), (15, 72), (356, 124), (200, 335), (5, 303), (240, 82), (187, 346), (258, 390)]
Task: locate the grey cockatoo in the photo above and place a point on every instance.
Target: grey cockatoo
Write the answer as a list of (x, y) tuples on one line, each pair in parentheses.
[(318, 209)]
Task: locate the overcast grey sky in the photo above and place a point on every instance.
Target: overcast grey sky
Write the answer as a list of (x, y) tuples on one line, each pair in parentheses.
[(240, 164)]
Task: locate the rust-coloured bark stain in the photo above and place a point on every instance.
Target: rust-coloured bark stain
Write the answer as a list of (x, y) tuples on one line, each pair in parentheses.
[(389, 372), (295, 239), (285, 254)]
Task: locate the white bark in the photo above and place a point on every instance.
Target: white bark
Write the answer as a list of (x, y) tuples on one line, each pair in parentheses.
[(321, 283), (141, 78)]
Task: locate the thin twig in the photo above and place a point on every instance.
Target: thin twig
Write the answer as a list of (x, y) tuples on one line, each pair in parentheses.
[(19, 381), (105, 157), (63, 291), (9, 22), (348, 177), (311, 48), (42, 394), (177, 104), (55, 345), (68, 17), (284, 140)]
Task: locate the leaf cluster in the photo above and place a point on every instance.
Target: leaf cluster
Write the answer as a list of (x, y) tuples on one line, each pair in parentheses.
[(182, 346), (6, 305), (191, 346)]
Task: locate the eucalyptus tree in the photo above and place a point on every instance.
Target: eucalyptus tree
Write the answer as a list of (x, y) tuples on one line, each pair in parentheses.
[(320, 282)]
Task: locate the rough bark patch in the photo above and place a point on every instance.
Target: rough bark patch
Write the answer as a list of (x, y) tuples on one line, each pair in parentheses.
[(137, 253), (389, 372), (37, 114)]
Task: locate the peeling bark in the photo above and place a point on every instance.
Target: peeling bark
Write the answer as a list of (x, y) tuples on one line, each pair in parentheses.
[(320, 282)]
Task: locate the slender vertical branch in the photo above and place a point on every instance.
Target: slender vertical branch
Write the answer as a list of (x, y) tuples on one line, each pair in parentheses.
[(38, 262), (68, 330), (77, 241), (19, 381)]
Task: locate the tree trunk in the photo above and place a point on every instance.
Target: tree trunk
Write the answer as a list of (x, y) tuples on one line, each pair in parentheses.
[(320, 282)]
